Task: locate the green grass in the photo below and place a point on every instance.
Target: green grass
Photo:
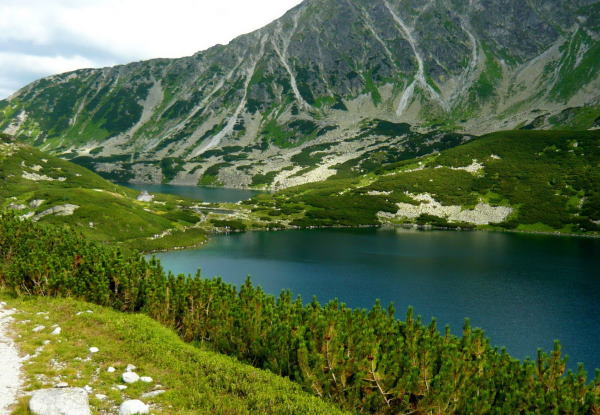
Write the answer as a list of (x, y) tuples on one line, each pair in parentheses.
[(196, 381), (107, 212)]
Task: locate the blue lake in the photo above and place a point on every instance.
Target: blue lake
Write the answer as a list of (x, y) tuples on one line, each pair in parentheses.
[(523, 290), (203, 193)]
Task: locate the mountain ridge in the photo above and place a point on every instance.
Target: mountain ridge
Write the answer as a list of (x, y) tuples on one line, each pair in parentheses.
[(237, 113)]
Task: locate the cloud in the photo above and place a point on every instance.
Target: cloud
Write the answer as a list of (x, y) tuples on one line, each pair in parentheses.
[(40, 37)]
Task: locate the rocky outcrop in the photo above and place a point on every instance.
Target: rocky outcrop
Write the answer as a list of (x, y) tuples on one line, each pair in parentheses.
[(481, 214), (63, 401), (60, 210)]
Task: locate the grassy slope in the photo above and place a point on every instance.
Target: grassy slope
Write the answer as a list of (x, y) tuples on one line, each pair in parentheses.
[(107, 212), (196, 381), (551, 179)]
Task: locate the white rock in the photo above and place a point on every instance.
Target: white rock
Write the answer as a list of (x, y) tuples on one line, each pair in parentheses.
[(130, 368), (111, 369), (153, 393), (89, 311), (130, 377), (88, 388), (41, 313), (145, 197), (101, 397), (146, 379), (37, 329), (121, 387), (56, 331), (133, 407), (62, 385), (46, 342), (64, 401), (94, 350)]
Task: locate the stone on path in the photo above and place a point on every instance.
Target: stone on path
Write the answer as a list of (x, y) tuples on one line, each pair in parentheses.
[(153, 393), (146, 379), (65, 401), (130, 377), (133, 407)]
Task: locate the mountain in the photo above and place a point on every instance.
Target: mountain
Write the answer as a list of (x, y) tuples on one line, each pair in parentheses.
[(48, 189), (326, 75), (540, 181)]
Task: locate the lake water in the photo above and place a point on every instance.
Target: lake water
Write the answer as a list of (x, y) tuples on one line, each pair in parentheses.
[(523, 290), (203, 193)]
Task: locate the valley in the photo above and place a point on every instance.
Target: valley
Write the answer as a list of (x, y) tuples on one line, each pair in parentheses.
[(364, 207)]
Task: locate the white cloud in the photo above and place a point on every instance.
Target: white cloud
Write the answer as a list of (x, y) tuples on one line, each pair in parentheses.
[(44, 37), (19, 62)]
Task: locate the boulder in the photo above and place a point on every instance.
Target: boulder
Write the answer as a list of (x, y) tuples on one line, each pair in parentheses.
[(133, 407), (145, 197), (63, 401), (130, 377)]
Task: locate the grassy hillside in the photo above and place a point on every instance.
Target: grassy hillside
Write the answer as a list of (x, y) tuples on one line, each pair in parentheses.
[(33, 183), (524, 180), (195, 381)]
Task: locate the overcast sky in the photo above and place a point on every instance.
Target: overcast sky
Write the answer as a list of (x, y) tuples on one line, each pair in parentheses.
[(44, 37)]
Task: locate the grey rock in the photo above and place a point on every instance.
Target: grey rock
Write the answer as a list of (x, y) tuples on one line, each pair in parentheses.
[(153, 393), (60, 401)]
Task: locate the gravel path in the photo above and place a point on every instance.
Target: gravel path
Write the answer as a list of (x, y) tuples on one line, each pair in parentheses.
[(10, 365)]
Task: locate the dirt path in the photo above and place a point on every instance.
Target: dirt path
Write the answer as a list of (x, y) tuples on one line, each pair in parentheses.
[(10, 365)]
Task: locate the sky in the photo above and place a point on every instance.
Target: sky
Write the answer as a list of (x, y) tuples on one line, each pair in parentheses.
[(45, 37)]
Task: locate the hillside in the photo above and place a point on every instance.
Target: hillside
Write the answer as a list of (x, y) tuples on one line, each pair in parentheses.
[(192, 381), (322, 75), (525, 180), (45, 188)]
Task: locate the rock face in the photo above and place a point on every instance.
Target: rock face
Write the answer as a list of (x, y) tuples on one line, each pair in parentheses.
[(60, 401), (237, 114)]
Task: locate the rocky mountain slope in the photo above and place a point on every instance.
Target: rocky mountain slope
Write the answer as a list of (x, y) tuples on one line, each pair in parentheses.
[(326, 74)]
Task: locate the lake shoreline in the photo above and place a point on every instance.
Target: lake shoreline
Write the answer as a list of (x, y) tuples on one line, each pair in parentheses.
[(420, 228)]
